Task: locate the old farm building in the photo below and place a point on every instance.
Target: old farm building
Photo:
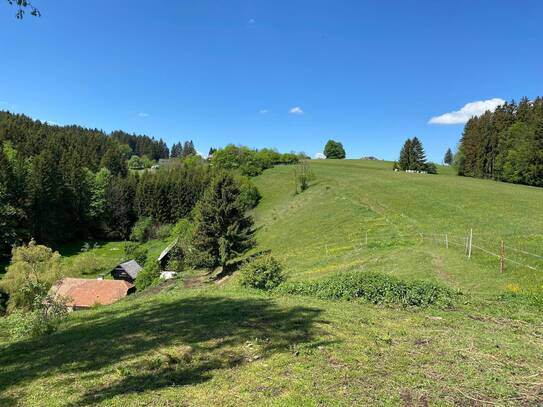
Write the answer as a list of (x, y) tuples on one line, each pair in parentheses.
[(127, 271), (84, 293)]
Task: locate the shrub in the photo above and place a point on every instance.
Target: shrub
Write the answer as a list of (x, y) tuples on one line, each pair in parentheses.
[(43, 318), (133, 250), (164, 231), (431, 168), (263, 272), (249, 195), (303, 176), (4, 297), (135, 163), (375, 288), (142, 230), (30, 263), (149, 276)]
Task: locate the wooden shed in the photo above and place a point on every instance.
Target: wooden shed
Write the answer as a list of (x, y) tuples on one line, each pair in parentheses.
[(127, 271)]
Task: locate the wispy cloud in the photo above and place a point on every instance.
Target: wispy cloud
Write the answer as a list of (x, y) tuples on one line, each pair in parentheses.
[(296, 110), (263, 111), (141, 114), (469, 110), (251, 21), (320, 156)]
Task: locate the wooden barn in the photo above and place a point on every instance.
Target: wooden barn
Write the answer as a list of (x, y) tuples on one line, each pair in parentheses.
[(127, 271)]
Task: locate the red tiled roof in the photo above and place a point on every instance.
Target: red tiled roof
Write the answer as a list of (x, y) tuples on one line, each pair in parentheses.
[(86, 293)]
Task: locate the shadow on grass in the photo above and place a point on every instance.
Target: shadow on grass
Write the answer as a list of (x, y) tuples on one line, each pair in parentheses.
[(151, 346)]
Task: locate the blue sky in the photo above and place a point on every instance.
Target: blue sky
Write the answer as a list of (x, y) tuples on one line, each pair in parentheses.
[(369, 74)]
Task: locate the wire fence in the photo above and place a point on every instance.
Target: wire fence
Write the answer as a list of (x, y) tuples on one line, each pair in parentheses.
[(505, 254)]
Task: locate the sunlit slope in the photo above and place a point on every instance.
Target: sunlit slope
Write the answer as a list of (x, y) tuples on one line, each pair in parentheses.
[(323, 230)]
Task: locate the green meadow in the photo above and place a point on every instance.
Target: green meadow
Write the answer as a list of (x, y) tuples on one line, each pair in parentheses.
[(214, 343), (405, 218)]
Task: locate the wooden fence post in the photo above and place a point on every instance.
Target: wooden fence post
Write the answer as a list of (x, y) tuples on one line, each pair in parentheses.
[(446, 241), (502, 256), (366, 237), (470, 242)]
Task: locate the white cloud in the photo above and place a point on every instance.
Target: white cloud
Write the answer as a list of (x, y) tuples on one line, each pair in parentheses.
[(251, 21), (467, 112), (263, 111), (141, 114), (201, 154), (296, 110), (320, 156)]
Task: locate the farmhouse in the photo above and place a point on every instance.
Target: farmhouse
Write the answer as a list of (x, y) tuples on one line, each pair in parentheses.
[(84, 293), (127, 271)]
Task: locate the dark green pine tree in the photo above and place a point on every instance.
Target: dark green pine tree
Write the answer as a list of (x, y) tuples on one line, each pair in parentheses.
[(12, 215), (48, 198), (405, 162), (114, 161), (448, 159), (177, 150), (188, 149), (223, 228), (418, 155), (120, 213)]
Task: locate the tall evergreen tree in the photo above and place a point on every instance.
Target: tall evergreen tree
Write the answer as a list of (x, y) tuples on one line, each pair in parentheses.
[(114, 161), (12, 217), (448, 159), (405, 161), (418, 155), (223, 228), (504, 144), (188, 149), (413, 157)]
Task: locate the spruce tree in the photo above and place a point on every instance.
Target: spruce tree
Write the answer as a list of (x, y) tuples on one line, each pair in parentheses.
[(188, 149), (223, 228), (418, 155), (448, 159), (114, 161), (405, 156)]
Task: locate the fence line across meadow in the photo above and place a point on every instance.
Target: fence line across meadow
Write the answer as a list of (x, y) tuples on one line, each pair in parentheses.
[(438, 238)]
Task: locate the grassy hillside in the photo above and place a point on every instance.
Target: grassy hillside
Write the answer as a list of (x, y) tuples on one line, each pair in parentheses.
[(323, 230), (222, 345)]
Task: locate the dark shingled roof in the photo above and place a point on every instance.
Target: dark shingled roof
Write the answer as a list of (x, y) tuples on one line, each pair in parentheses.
[(131, 267)]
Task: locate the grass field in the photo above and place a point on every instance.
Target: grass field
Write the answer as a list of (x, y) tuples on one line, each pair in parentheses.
[(218, 344), (323, 230)]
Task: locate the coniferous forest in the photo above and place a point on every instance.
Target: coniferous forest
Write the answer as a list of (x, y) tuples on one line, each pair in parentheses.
[(505, 145), (63, 183)]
